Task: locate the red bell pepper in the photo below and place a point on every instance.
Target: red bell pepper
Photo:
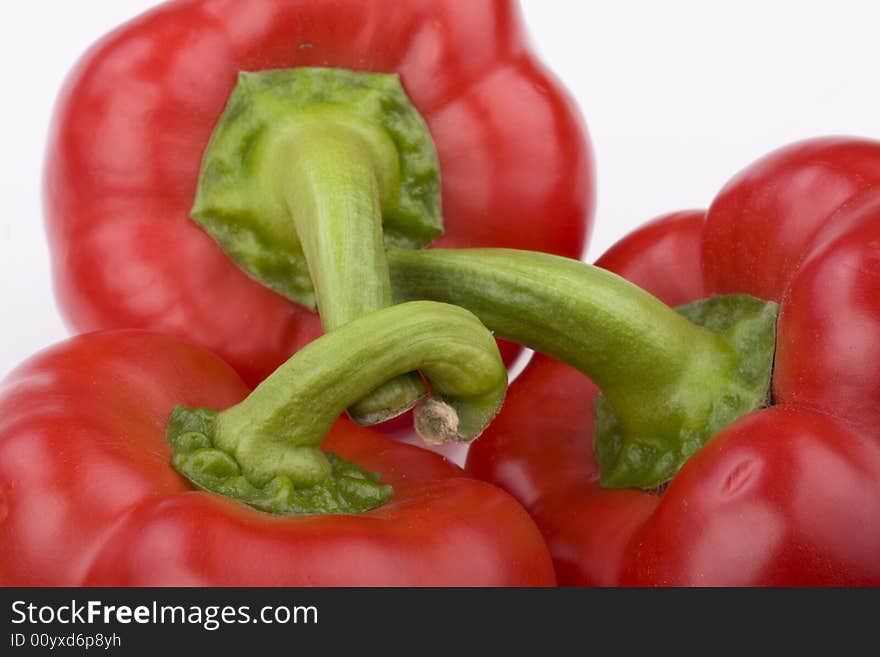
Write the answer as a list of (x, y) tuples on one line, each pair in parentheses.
[(89, 496), (133, 122), (646, 486)]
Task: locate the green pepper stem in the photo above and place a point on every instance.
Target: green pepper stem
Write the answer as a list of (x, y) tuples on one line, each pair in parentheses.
[(629, 343), (309, 172), (665, 378), (337, 172), (278, 429)]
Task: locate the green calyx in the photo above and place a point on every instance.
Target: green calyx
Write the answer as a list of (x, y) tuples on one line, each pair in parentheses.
[(635, 455), (242, 199), (266, 450), (346, 488), (669, 380)]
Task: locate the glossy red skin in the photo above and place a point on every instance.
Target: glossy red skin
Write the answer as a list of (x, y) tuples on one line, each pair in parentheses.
[(763, 223), (828, 352), (135, 115), (663, 256), (539, 448), (788, 495), (783, 496), (88, 495)]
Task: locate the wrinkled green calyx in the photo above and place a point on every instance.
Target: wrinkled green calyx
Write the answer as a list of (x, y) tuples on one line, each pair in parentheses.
[(242, 199), (635, 457), (347, 488)]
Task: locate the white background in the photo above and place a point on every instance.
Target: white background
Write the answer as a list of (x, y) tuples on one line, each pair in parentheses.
[(678, 96)]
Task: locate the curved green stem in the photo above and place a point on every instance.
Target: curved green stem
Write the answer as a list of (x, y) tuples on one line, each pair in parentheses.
[(670, 383), (309, 173), (277, 431), (333, 191)]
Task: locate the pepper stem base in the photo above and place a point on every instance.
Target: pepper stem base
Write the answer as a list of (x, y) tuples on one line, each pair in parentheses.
[(633, 455), (347, 488)]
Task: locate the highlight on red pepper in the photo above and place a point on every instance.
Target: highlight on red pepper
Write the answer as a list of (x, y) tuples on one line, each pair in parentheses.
[(710, 457), (90, 429), (331, 127)]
